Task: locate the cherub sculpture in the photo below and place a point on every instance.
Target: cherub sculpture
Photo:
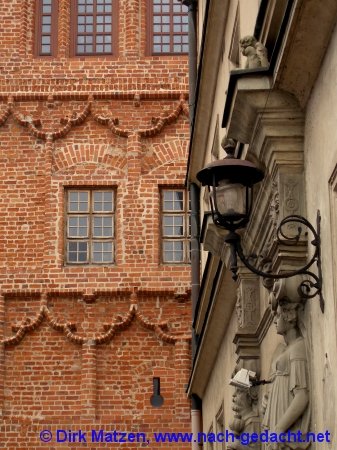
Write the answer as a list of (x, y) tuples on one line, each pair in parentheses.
[(255, 52)]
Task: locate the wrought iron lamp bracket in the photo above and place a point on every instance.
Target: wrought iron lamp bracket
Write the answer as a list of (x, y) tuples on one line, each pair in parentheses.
[(311, 286)]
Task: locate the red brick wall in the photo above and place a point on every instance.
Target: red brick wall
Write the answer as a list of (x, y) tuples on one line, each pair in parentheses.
[(81, 345)]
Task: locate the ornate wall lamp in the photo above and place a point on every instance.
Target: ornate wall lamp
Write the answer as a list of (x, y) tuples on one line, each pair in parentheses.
[(230, 184)]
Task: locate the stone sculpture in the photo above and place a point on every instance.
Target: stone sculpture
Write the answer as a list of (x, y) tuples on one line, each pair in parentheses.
[(255, 52), (287, 403), (246, 416)]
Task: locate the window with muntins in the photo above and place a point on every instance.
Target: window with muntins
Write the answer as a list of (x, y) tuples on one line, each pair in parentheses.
[(46, 27), (90, 226), (175, 225), (94, 27), (168, 27)]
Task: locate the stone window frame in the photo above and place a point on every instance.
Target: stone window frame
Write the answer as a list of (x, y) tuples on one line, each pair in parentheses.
[(42, 13), (234, 51), (220, 425), (168, 238), (171, 34), (95, 33), (90, 239), (333, 216)]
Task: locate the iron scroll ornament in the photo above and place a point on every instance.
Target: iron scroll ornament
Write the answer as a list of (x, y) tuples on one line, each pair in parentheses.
[(310, 287)]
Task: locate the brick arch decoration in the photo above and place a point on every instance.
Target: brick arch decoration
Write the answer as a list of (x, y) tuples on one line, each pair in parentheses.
[(77, 119), (106, 155), (162, 154), (117, 324)]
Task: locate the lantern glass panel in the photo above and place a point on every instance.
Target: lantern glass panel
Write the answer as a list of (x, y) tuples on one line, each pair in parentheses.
[(231, 199)]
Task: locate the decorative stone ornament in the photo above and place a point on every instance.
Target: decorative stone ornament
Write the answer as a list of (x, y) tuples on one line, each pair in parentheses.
[(255, 52)]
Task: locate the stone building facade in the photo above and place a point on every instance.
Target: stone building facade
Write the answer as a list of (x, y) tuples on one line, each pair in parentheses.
[(281, 117), (94, 304)]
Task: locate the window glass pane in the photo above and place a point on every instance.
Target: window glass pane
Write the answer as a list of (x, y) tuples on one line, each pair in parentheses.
[(45, 39), (102, 252), (46, 28), (78, 226), (103, 201), (78, 201), (103, 226), (45, 49), (77, 251), (107, 48), (173, 201), (173, 225), (46, 9), (173, 251), (46, 20)]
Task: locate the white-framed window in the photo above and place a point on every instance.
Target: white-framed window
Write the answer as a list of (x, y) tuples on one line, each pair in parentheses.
[(175, 226), (89, 226)]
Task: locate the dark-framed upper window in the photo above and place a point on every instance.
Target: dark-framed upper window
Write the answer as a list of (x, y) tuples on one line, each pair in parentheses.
[(89, 226), (94, 27), (168, 27), (46, 27), (175, 226)]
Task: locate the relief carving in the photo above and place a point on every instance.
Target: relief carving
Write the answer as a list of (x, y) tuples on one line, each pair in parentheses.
[(246, 304), (274, 209), (292, 196)]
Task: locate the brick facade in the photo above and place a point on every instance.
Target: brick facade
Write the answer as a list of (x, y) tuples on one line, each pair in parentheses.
[(81, 344)]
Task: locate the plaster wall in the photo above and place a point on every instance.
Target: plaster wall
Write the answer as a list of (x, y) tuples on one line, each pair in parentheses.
[(320, 163), (218, 387)]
